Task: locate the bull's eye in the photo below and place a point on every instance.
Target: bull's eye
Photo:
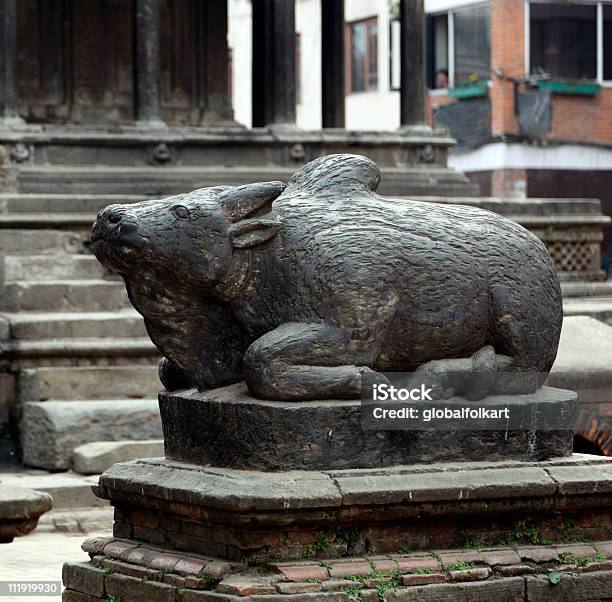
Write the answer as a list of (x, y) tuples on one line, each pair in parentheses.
[(181, 212)]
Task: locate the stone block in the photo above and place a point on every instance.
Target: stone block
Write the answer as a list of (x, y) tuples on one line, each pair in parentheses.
[(137, 590), (303, 572), (89, 382), (500, 590), (83, 577), (575, 587), (51, 430), (193, 421), (471, 574)]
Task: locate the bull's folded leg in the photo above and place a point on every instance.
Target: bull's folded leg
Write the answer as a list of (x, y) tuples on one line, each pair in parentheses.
[(297, 362)]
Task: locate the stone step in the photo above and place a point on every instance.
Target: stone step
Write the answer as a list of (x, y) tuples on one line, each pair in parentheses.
[(50, 431), (123, 347), (155, 181), (95, 458), (79, 383), (599, 308), (52, 267), (47, 220), (39, 242), (572, 290), (64, 295), (61, 203), (44, 325)]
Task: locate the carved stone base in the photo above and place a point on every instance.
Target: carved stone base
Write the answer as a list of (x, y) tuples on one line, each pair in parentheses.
[(258, 516), (229, 428)]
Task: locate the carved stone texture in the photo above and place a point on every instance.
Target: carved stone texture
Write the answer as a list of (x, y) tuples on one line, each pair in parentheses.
[(300, 289)]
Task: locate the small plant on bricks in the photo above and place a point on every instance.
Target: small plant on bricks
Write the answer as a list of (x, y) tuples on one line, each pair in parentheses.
[(383, 587), (460, 566), (422, 572)]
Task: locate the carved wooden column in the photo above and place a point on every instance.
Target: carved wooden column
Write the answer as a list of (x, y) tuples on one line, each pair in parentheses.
[(146, 64), (9, 111), (332, 63), (412, 63), (273, 62)]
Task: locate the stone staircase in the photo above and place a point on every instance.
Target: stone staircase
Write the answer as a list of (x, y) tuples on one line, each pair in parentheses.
[(79, 362)]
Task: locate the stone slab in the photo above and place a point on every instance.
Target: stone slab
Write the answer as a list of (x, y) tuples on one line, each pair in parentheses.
[(52, 429), (96, 457), (216, 428), (20, 510), (584, 359)]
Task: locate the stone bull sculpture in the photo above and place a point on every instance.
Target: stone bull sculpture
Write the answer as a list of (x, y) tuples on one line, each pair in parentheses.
[(299, 289)]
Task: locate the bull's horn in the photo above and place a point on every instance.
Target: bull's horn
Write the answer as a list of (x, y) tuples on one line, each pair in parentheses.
[(242, 201)]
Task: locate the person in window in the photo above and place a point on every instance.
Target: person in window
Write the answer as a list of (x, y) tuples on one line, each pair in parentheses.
[(441, 78)]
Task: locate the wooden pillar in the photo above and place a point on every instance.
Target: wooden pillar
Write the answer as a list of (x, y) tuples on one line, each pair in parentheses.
[(332, 63), (146, 63), (9, 110), (213, 65), (273, 63), (412, 63)]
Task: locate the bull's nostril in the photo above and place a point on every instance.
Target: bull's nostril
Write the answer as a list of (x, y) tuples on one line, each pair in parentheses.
[(114, 218)]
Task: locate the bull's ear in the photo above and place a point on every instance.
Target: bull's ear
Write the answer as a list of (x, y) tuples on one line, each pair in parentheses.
[(253, 232), (241, 201)]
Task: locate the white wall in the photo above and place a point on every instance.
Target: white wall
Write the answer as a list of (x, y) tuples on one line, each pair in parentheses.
[(375, 110), (240, 41)]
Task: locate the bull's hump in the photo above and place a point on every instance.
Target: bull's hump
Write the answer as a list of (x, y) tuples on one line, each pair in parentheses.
[(348, 172)]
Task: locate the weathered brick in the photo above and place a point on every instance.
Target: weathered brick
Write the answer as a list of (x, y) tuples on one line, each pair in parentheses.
[(605, 548), (165, 562), (119, 549), (339, 570), (218, 569), (474, 574), (538, 554), (246, 585), (337, 585), (189, 566), (513, 570), (461, 556), (303, 572), (383, 563), (578, 550), (409, 565), (423, 579), (298, 587), (500, 557)]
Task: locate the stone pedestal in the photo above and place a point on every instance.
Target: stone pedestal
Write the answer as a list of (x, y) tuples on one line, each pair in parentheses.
[(20, 510), (229, 428)]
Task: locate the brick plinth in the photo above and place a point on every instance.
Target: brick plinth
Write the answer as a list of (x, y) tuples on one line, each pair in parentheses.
[(130, 570)]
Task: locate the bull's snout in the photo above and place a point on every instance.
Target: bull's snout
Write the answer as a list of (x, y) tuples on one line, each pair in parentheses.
[(112, 222)]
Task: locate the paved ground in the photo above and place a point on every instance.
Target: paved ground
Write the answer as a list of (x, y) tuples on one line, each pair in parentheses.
[(39, 557)]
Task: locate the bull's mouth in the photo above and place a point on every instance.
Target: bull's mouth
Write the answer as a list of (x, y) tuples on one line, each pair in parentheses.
[(113, 254)]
